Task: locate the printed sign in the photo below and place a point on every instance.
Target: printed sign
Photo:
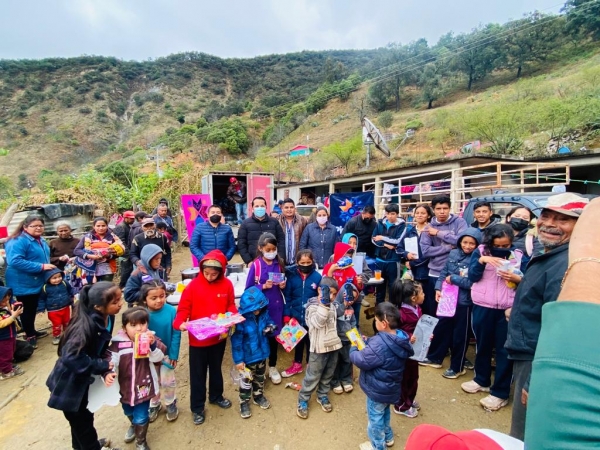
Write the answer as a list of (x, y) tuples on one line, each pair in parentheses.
[(195, 211)]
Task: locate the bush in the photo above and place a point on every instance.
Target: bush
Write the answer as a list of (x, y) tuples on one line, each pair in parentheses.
[(85, 110), (414, 124)]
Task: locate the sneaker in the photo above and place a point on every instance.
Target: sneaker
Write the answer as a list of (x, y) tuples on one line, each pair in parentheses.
[(245, 412), (198, 418), (366, 446), (389, 443), (104, 442), (7, 375), (365, 303), (416, 405), (491, 403), (261, 401), (468, 365), (449, 373), (274, 375), (18, 371), (33, 342), (172, 412), (41, 334), (348, 388), (410, 412), (302, 410), (325, 404), (429, 363), (222, 403), (153, 412), (338, 390), (294, 369), (472, 387), (55, 340)]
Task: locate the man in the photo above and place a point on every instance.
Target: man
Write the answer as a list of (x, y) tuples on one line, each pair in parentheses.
[(150, 236), (362, 226), (163, 201), (122, 230), (136, 227), (254, 226), (236, 192), (162, 216), (211, 235), (293, 225), (484, 216), (437, 240), (386, 236), (540, 284)]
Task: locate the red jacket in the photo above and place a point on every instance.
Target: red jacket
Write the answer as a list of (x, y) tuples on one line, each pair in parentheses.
[(341, 275), (203, 299)]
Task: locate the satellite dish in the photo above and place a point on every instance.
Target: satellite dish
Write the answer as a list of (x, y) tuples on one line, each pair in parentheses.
[(371, 132)]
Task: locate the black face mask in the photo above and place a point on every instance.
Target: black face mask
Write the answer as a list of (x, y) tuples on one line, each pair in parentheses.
[(215, 218), (518, 224), (306, 269), (367, 220), (500, 252)]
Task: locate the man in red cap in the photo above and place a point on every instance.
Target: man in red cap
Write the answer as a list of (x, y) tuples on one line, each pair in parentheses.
[(123, 230), (237, 194)]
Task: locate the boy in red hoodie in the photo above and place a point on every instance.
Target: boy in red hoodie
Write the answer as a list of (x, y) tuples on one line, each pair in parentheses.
[(339, 268), (209, 293)]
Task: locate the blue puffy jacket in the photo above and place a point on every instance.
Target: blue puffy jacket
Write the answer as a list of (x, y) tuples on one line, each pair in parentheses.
[(55, 296), (248, 343), (320, 241), (381, 365), (206, 238), (25, 257), (298, 292), (419, 267)]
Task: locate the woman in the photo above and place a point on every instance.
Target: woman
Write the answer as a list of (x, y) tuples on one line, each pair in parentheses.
[(320, 237), (519, 218), (28, 257), (61, 248), (418, 265), (101, 248)]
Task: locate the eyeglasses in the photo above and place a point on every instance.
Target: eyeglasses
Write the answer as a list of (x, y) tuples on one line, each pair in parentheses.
[(35, 226)]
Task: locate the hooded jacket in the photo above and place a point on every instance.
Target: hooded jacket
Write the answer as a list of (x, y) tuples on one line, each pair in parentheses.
[(393, 234), (341, 275), (55, 297), (138, 378), (540, 285), (419, 267), (364, 232), (345, 322), (458, 262), (8, 326), (381, 365), (140, 241), (137, 278), (250, 231), (203, 299), (437, 248), (320, 241), (25, 257), (206, 238), (322, 326), (248, 343), (299, 289)]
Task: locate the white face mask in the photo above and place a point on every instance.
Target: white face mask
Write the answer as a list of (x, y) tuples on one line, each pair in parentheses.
[(321, 220), (270, 255)]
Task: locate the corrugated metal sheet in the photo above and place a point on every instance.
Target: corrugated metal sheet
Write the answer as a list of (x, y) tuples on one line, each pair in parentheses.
[(79, 216)]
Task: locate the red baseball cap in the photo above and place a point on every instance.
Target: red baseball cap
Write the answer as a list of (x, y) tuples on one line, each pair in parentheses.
[(433, 437), (129, 215), (567, 203), (233, 180)]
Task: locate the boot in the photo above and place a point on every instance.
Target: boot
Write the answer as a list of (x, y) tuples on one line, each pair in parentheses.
[(130, 433), (140, 437)]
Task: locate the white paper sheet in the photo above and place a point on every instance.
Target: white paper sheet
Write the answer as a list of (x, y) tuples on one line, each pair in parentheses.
[(411, 245)]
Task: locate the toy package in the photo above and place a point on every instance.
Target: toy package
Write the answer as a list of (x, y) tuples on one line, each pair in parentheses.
[(447, 305), (276, 277), (141, 346), (355, 338), (216, 325), (291, 334), (228, 319)]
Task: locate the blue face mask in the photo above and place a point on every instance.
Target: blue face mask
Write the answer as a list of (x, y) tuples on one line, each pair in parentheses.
[(260, 211)]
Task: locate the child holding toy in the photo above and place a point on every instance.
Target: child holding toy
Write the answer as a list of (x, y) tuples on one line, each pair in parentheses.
[(267, 273), (8, 334), (250, 348)]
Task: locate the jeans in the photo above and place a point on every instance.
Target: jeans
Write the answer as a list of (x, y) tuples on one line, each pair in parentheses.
[(389, 272), (378, 429), (319, 373), (343, 369), (240, 211), (83, 433), (167, 387), (60, 320), (139, 412), (521, 372), (203, 360), (255, 387)]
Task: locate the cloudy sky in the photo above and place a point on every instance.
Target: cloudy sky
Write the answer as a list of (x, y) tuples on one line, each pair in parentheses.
[(141, 29)]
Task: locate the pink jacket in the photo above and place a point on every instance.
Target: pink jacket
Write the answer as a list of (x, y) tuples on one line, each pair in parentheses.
[(491, 291)]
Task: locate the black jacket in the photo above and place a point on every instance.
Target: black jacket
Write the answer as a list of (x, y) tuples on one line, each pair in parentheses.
[(141, 240), (249, 232), (363, 232), (122, 230), (540, 285)]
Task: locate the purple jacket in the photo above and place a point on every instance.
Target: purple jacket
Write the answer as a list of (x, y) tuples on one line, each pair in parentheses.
[(437, 248)]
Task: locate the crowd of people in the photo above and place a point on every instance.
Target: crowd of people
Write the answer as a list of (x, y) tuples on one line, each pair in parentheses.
[(504, 272)]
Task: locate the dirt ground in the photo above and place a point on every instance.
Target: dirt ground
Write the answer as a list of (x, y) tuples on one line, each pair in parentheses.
[(26, 422)]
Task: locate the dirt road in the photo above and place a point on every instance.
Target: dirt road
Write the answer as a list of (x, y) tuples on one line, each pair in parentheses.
[(27, 423)]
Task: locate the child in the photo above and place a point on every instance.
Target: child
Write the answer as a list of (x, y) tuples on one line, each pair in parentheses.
[(83, 352), (151, 270), (138, 379), (162, 228), (494, 273), (153, 296), (301, 285), (346, 320), (324, 346), (250, 348), (8, 334), (408, 296), (341, 269), (381, 365), (209, 293), (57, 298), (365, 276), (452, 332), (268, 262)]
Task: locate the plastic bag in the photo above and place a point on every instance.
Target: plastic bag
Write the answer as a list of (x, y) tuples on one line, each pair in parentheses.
[(205, 328), (447, 305)]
